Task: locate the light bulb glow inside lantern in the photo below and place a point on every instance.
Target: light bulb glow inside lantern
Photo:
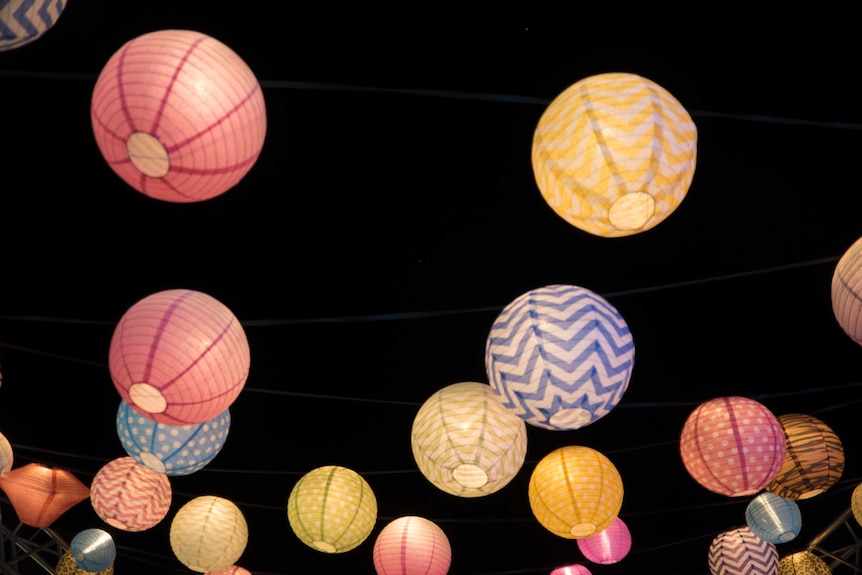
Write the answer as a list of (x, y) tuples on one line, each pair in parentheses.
[(412, 545), (208, 533), (608, 546), (814, 461), (23, 21), (575, 569), (739, 551)]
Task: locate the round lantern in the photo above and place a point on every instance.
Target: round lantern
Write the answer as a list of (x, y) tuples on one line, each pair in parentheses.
[(571, 570), (40, 494), (846, 290), (178, 115), (614, 154), (93, 550), (23, 21), (232, 570), (560, 357), (575, 492), (740, 552), (803, 563), (208, 533), (179, 357), (732, 445), (332, 509), (814, 461), (129, 496), (773, 518), (466, 443), (607, 546), (856, 503), (67, 566), (7, 456), (171, 449), (412, 545)]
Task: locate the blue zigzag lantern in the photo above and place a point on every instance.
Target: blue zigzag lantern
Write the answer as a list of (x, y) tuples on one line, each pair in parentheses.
[(560, 357), (22, 21)]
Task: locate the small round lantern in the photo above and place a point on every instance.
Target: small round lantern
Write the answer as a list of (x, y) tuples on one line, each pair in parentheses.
[(179, 357), (732, 446), (846, 290), (803, 563), (412, 545), (575, 492), (7, 456), (129, 496), (466, 443), (232, 570), (67, 566), (560, 357), (739, 552), (607, 546), (23, 21), (571, 570), (93, 550), (856, 503), (773, 518), (814, 460), (208, 533), (178, 115), (332, 509), (40, 494), (614, 154)]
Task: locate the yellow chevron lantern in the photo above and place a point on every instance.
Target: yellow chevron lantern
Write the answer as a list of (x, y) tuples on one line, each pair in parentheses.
[(614, 154)]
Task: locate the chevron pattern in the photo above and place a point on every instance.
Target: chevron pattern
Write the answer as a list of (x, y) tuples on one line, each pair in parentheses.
[(23, 21), (739, 552), (129, 496), (560, 357)]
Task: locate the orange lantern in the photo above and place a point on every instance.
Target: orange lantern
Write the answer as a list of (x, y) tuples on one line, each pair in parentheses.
[(814, 460), (40, 494)]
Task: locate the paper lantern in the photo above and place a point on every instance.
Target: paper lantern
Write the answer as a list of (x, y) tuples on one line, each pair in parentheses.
[(23, 21), (717, 431), (93, 550), (412, 545), (773, 518), (803, 563), (208, 533), (179, 357), (560, 357), (7, 456), (575, 492), (67, 566), (608, 546), (814, 461), (129, 496), (571, 570), (466, 443), (847, 291), (614, 154), (171, 449), (739, 552), (178, 115), (232, 570), (856, 503), (332, 509), (40, 495)]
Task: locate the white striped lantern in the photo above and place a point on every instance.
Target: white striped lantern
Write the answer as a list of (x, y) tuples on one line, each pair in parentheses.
[(7, 455), (412, 545), (773, 518), (740, 552), (847, 291), (24, 21), (208, 533), (130, 496)]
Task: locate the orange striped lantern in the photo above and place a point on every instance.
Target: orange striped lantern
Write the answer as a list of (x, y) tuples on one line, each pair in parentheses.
[(803, 563), (846, 290), (739, 552), (412, 545), (856, 503), (129, 496), (814, 460), (40, 495), (208, 533)]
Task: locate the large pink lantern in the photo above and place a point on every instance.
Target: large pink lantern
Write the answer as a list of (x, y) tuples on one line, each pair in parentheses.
[(129, 496), (412, 545), (179, 357), (178, 115), (607, 546)]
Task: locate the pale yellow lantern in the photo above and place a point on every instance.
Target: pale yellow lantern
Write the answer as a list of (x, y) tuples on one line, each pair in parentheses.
[(208, 533)]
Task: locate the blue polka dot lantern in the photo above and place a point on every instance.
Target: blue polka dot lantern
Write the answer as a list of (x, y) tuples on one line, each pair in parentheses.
[(93, 550), (560, 357), (773, 518), (23, 21), (171, 449)]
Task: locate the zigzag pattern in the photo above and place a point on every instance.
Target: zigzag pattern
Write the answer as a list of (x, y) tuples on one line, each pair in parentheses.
[(22, 21), (739, 552), (129, 496), (560, 357)]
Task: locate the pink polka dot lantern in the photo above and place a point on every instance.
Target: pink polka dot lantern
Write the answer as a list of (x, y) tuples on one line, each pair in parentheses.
[(608, 546), (179, 357), (412, 545), (732, 446), (178, 115), (129, 496)]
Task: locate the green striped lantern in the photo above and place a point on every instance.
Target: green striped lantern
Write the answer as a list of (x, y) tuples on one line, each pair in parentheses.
[(332, 509), (465, 441)]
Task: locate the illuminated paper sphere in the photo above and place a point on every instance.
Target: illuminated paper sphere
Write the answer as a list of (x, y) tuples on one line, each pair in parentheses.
[(93, 550), (608, 546), (571, 570), (232, 570), (715, 433), (23, 21), (560, 357), (129, 496), (171, 449), (67, 566), (614, 154), (208, 533), (846, 290), (739, 552), (803, 563), (773, 518), (466, 443), (179, 357), (575, 492), (40, 495), (814, 461), (332, 509), (7, 456), (412, 545), (856, 503)]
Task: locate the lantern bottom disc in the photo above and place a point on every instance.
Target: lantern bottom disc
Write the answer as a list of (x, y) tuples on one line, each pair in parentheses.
[(787, 536), (811, 493), (148, 155), (324, 546), (153, 462), (632, 211), (583, 529), (572, 418), (148, 398), (470, 475)]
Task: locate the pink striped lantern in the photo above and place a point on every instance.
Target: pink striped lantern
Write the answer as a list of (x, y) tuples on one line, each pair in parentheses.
[(846, 290), (179, 357), (733, 446), (178, 115), (129, 496), (608, 546), (739, 552), (571, 570), (412, 545)]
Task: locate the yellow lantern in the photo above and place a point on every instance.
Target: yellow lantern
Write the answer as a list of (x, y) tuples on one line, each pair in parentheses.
[(856, 503), (803, 563), (208, 533), (814, 461)]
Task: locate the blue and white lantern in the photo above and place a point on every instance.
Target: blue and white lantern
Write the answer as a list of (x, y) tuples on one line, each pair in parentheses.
[(93, 550), (171, 449), (773, 518), (23, 21), (560, 357)]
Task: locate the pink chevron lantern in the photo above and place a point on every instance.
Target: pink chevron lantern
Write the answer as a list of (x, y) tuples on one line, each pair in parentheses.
[(129, 496), (179, 357), (178, 116), (412, 545), (571, 570), (739, 552), (608, 546)]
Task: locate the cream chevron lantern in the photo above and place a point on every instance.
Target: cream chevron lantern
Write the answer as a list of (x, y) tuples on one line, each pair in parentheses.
[(739, 552), (614, 154)]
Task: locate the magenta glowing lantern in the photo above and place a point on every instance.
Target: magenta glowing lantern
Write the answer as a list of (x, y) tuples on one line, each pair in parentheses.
[(571, 570), (607, 546), (739, 552), (129, 496), (412, 545)]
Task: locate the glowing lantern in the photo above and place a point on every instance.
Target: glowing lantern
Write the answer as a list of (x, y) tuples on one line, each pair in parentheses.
[(179, 357), (773, 518), (40, 495), (466, 443), (717, 431), (575, 492), (856, 503), (208, 534), (571, 570), (814, 461), (607, 546), (178, 115), (7, 456), (171, 449), (412, 545), (67, 566), (232, 570), (803, 563), (614, 154), (93, 550), (846, 287), (332, 509), (560, 357), (23, 21), (129, 496), (740, 552)]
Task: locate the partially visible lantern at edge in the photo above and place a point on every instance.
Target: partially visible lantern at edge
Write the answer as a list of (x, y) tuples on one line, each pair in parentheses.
[(41, 494), (67, 566), (232, 570), (773, 518), (614, 154), (814, 461), (856, 503), (575, 569), (732, 446), (93, 550), (130, 496), (803, 563), (24, 21), (208, 533), (412, 545), (846, 290), (608, 546), (739, 552), (7, 455)]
